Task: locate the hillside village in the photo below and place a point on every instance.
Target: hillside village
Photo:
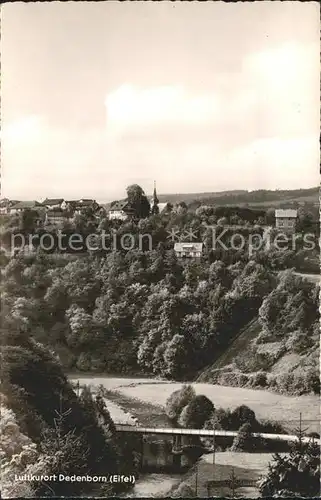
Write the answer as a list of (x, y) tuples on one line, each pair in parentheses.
[(183, 226), (63, 214)]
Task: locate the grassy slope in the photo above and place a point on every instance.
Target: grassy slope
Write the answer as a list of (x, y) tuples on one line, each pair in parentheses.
[(246, 466), (238, 345)]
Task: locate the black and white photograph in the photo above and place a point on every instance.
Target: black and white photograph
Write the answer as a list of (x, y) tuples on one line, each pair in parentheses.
[(160, 249)]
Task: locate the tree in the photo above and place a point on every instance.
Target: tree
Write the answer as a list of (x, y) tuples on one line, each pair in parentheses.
[(176, 356), (81, 327), (195, 414), (242, 415), (180, 208), (178, 400), (138, 201), (294, 475), (244, 441), (270, 217), (28, 220), (305, 220), (65, 451)]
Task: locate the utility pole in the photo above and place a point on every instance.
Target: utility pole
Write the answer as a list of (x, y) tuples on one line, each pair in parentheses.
[(214, 421), (300, 427), (196, 479), (232, 479)]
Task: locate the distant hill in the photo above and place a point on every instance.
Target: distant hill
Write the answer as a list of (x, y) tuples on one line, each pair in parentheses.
[(260, 197)]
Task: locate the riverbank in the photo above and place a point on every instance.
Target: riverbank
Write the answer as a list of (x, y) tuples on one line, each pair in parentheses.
[(147, 415), (124, 409)]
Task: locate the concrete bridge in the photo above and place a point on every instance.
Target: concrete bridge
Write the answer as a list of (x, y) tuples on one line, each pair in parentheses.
[(207, 433), (172, 452)]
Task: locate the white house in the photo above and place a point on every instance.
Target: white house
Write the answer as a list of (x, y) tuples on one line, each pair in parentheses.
[(119, 210), (188, 250), (285, 219)]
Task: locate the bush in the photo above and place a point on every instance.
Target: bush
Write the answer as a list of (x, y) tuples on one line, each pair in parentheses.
[(223, 418), (178, 400)]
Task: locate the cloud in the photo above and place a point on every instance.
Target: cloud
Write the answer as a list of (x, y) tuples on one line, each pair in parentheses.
[(25, 129), (129, 105), (259, 128)]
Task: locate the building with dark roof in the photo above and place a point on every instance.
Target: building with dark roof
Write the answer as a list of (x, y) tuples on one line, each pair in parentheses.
[(119, 210), (25, 205), (51, 203)]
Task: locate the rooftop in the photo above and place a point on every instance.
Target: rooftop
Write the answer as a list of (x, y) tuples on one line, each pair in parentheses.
[(289, 212), (52, 201), (119, 205), (27, 204), (188, 246)]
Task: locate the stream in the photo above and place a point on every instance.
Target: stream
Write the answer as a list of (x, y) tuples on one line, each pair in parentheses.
[(148, 484)]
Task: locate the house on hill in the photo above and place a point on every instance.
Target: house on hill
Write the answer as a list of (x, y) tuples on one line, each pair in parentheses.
[(21, 206), (6, 204), (285, 219), (54, 203), (78, 206), (119, 210), (188, 250), (85, 203)]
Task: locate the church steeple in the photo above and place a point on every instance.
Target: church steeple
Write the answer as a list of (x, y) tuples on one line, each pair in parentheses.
[(155, 209), (155, 199)]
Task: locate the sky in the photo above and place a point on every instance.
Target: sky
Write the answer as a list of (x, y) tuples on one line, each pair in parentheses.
[(200, 97)]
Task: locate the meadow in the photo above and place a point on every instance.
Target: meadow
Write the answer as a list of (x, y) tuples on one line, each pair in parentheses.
[(267, 405)]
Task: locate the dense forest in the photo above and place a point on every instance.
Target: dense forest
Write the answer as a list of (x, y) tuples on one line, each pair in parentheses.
[(146, 311)]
